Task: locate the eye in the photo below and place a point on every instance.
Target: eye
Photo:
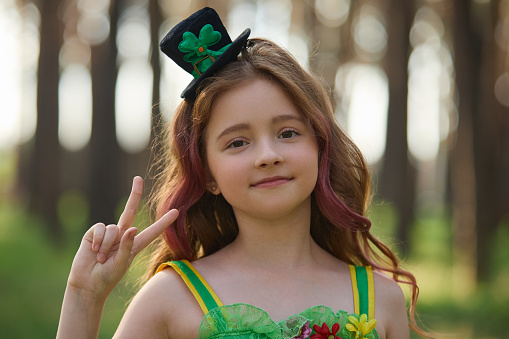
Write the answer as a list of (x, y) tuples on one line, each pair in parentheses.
[(236, 143), (288, 134)]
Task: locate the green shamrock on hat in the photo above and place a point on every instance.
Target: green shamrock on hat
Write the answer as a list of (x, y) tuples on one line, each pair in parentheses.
[(197, 49)]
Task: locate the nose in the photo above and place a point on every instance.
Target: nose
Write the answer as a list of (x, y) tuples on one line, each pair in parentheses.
[(268, 155)]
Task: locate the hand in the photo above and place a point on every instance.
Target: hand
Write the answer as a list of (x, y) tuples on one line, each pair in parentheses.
[(106, 252)]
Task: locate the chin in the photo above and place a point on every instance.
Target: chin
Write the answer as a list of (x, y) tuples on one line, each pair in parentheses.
[(279, 209)]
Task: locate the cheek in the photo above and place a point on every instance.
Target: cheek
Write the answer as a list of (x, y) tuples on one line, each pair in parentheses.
[(308, 154), (309, 162), (232, 181), (227, 173)]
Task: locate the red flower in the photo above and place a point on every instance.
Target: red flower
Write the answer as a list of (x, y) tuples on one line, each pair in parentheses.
[(324, 332)]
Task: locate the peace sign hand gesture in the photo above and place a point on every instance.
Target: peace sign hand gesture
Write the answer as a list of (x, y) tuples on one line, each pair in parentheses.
[(106, 252), (102, 260)]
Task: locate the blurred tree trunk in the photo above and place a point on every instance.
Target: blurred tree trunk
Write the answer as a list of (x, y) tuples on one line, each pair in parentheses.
[(312, 23), (155, 24), (398, 177), (326, 46), (45, 164), (488, 130), (76, 171), (467, 49), (156, 130), (106, 156), (502, 186), (480, 158)]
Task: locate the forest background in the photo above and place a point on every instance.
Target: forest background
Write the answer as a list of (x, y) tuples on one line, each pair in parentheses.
[(421, 85)]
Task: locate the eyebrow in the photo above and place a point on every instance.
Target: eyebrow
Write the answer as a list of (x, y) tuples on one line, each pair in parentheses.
[(246, 126), (286, 117), (234, 128)]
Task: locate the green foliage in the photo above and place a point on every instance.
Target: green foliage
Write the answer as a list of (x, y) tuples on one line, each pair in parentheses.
[(33, 274), (445, 305)]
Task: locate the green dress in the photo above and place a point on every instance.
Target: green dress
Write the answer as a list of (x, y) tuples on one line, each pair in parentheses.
[(247, 321)]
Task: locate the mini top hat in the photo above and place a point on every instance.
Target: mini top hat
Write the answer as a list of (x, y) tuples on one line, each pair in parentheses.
[(201, 46)]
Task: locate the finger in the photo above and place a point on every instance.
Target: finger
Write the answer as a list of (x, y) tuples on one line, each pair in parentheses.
[(153, 231), (131, 207), (123, 256), (110, 236), (97, 237)]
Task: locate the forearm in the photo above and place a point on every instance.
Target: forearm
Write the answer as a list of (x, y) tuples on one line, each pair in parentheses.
[(80, 316)]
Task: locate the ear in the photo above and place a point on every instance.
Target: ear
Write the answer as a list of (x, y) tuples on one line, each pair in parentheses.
[(213, 188)]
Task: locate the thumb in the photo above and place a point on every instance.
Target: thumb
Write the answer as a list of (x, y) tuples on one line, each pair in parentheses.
[(125, 247)]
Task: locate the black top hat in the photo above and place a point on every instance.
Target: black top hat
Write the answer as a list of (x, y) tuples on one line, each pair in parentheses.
[(201, 46)]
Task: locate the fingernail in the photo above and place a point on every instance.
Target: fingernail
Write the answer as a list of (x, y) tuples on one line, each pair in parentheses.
[(96, 247), (132, 235), (101, 258)]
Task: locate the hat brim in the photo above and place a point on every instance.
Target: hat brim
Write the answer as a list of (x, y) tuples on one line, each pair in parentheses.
[(229, 55)]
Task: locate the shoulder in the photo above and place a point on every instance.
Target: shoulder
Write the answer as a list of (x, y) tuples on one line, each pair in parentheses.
[(386, 289), (390, 306), (163, 308)]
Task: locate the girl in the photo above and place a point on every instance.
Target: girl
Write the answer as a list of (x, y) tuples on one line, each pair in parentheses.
[(271, 196)]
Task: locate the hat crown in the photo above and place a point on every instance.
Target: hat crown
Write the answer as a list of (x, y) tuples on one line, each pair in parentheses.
[(201, 46), (189, 41)]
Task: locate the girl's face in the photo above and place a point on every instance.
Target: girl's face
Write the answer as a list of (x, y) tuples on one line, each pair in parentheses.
[(261, 153)]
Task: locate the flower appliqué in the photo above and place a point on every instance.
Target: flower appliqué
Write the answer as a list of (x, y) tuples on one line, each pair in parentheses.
[(305, 331), (360, 326), (325, 333), (197, 49)]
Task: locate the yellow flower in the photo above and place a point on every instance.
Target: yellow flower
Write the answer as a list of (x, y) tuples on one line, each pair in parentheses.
[(360, 326)]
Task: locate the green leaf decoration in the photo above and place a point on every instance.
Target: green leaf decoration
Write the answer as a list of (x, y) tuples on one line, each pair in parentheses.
[(197, 49), (208, 36)]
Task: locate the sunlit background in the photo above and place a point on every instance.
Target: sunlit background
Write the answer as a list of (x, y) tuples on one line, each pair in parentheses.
[(347, 43), (362, 84)]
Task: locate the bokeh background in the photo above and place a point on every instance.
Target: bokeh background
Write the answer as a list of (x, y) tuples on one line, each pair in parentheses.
[(422, 86)]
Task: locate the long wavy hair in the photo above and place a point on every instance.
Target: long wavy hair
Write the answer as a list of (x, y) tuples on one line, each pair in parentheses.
[(339, 201)]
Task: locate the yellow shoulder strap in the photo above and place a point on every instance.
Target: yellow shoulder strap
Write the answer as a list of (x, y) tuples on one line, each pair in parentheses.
[(202, 292), (363, 290)]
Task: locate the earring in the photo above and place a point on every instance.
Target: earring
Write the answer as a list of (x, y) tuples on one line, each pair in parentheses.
[(213, 188)]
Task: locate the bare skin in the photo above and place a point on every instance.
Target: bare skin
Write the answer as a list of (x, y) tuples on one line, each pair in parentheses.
[(273, 264), (238, 277), (102, 260)]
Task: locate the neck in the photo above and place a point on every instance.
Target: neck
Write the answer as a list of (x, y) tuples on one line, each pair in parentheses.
[(279, 243)]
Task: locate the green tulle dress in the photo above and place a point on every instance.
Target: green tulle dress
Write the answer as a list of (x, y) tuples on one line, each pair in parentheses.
[(247, 321)]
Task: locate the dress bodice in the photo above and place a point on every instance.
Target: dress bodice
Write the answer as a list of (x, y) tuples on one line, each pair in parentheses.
[(245, 321)]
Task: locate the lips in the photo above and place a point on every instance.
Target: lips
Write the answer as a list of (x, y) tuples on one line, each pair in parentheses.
[(271, 182)]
